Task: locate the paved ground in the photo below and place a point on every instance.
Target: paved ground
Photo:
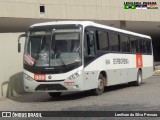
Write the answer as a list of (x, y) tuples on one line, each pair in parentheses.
[(116, 98)]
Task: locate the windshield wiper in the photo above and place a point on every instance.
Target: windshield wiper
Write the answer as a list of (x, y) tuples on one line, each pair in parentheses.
[(62, 62)]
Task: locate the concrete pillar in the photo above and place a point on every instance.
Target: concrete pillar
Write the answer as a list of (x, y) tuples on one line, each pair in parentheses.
[(123, 24)]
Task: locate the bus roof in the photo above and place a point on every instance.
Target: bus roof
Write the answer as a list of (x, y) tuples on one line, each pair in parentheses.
[(90, 23)]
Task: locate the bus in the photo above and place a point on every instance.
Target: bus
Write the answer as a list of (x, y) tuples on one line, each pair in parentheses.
[(67, 56)]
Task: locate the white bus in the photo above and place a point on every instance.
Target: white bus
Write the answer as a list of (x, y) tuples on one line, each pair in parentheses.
[(82, 55)]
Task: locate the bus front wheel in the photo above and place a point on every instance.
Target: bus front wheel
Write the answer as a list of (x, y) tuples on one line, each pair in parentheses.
[(54, 94), (100, 89)]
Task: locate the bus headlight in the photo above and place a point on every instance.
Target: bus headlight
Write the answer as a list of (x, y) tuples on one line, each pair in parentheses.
[(27, 77), (75, 75)]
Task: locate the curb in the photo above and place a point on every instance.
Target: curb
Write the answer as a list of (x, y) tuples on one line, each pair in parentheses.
[(156, 72)]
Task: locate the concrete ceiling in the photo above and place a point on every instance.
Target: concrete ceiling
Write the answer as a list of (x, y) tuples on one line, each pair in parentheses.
[(148, 28), (22, 24), (143, 27), (18, 24)]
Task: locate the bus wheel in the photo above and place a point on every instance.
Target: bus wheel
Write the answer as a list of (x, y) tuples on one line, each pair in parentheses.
[(100, 89), (139, 78), (54, 94)]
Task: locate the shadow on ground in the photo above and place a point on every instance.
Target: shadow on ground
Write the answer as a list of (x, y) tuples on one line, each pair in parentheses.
[(13, 87), (44, 97)]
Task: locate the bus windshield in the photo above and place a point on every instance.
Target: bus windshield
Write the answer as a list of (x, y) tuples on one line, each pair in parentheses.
[(49, 48)]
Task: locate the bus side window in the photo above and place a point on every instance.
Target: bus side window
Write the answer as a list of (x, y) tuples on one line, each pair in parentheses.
[(102, 42), (89, 44), (134, 45), (148, 45), (142, 45), (125, 43), (114, 42)]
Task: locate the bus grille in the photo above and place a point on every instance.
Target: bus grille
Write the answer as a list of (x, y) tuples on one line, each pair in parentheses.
[(45, 87)]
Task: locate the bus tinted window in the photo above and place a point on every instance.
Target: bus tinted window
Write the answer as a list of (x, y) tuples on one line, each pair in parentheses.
[(125, 45), (103, 41), (89, 43), (148, 45), (114, 42), (134, 45), (142, 45)]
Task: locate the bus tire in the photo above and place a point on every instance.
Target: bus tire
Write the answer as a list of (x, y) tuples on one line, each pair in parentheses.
[(139, 78), (100, 89), (55, 94)]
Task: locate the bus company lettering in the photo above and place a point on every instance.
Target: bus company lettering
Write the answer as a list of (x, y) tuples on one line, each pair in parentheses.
[(107, 62), (120, 61)]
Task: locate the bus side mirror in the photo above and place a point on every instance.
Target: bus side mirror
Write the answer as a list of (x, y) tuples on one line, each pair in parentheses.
[(19, 44), (19, 47)]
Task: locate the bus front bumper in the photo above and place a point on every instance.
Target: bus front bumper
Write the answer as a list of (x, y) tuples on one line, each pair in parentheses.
[(53, 86)]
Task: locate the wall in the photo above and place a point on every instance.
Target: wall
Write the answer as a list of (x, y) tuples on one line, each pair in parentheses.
[(11, 66), (77, 9)]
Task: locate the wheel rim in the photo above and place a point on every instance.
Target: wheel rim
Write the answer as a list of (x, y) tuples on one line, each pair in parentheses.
[(100, 84), (139, 78)]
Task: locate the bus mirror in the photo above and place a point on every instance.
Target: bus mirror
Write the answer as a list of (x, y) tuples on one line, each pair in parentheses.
[(19, 44), (19, 47)]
